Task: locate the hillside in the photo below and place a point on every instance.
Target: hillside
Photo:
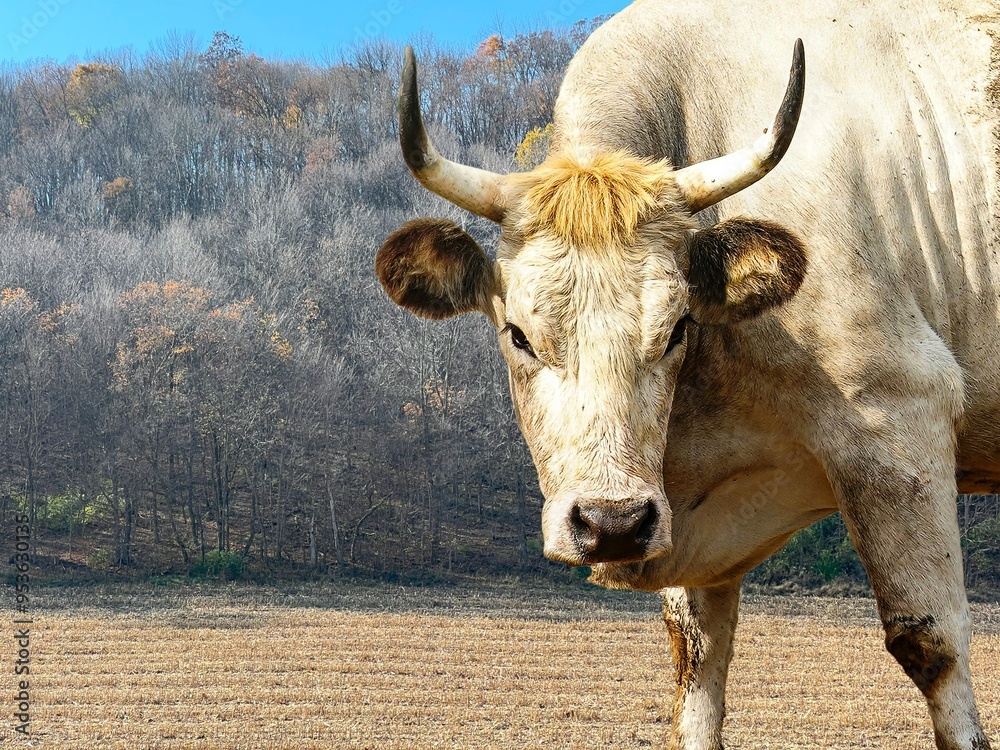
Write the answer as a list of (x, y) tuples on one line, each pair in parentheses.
[(198, 371)]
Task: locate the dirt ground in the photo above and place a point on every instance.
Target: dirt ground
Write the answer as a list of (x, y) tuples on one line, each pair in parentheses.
[(495, 666)]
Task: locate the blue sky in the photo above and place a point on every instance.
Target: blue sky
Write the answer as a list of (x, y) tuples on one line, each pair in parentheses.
[(77, 29)]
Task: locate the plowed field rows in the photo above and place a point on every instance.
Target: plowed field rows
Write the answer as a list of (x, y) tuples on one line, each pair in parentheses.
[(387, 668)]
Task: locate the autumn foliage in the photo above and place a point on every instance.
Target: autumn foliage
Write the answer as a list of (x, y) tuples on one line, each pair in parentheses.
[(91, 89)]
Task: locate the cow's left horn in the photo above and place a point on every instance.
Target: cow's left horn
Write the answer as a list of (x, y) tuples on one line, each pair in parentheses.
[(473, 189), (708, 182)]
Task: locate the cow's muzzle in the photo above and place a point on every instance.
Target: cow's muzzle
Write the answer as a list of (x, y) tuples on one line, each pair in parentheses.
[(613, 534), (597, 530)]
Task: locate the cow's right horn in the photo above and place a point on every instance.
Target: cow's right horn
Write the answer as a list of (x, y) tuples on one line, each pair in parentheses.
[(708, 182), (475, 190)]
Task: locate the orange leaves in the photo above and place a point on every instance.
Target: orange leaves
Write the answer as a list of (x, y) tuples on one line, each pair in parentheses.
[(88, 76), (234, 311), (16, 299), (254, 88), (490, 49), (23, 325), (490, 56), (293, 116), (438, 399), (119, 197), (91, 88), (53, 322), (117, 188), (165, 319), (310, 317), (153, 338), (281, 346), (178, 332), (150, 297)]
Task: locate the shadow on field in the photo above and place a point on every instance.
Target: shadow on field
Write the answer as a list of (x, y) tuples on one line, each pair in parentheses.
[(241, 605), (244, 605)]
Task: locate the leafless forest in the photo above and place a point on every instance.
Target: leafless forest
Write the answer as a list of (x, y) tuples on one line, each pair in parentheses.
[(198, 371)]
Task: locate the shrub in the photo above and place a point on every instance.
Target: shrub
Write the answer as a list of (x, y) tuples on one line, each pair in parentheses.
[(817, 555), (219, 564), (100, 560), (534, 148), (66, 513)]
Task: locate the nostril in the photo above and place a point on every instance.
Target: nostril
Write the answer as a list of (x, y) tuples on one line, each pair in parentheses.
[(637, 517), (586, 528), (646, 523)]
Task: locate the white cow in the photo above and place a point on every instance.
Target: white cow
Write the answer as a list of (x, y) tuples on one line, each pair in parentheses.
[(696, 379)]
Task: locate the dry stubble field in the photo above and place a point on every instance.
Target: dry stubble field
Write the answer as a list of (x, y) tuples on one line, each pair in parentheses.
[(494, 666)]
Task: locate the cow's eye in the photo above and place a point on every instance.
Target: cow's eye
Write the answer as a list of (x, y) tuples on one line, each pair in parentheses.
[(677, 335), (518, 339)]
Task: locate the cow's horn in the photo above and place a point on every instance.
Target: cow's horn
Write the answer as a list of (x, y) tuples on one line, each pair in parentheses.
[(708, 182), (473, 189)]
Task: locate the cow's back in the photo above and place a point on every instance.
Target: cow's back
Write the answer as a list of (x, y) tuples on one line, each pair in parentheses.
[(891, 178)]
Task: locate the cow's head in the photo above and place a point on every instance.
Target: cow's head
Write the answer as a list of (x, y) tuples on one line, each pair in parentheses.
[(598, 275)]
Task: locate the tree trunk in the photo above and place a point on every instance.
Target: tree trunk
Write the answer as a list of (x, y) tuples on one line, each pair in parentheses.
[(333, 524), (313, 553)]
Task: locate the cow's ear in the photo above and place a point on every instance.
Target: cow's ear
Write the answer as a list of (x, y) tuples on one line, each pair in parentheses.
[(434, 269), (740, 268)]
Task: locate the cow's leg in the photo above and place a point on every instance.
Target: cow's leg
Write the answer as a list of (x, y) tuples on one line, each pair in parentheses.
[(903, 522), (701, 623)]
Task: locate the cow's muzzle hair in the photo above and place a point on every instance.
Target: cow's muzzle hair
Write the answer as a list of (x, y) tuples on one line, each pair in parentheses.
[(701, 185)]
